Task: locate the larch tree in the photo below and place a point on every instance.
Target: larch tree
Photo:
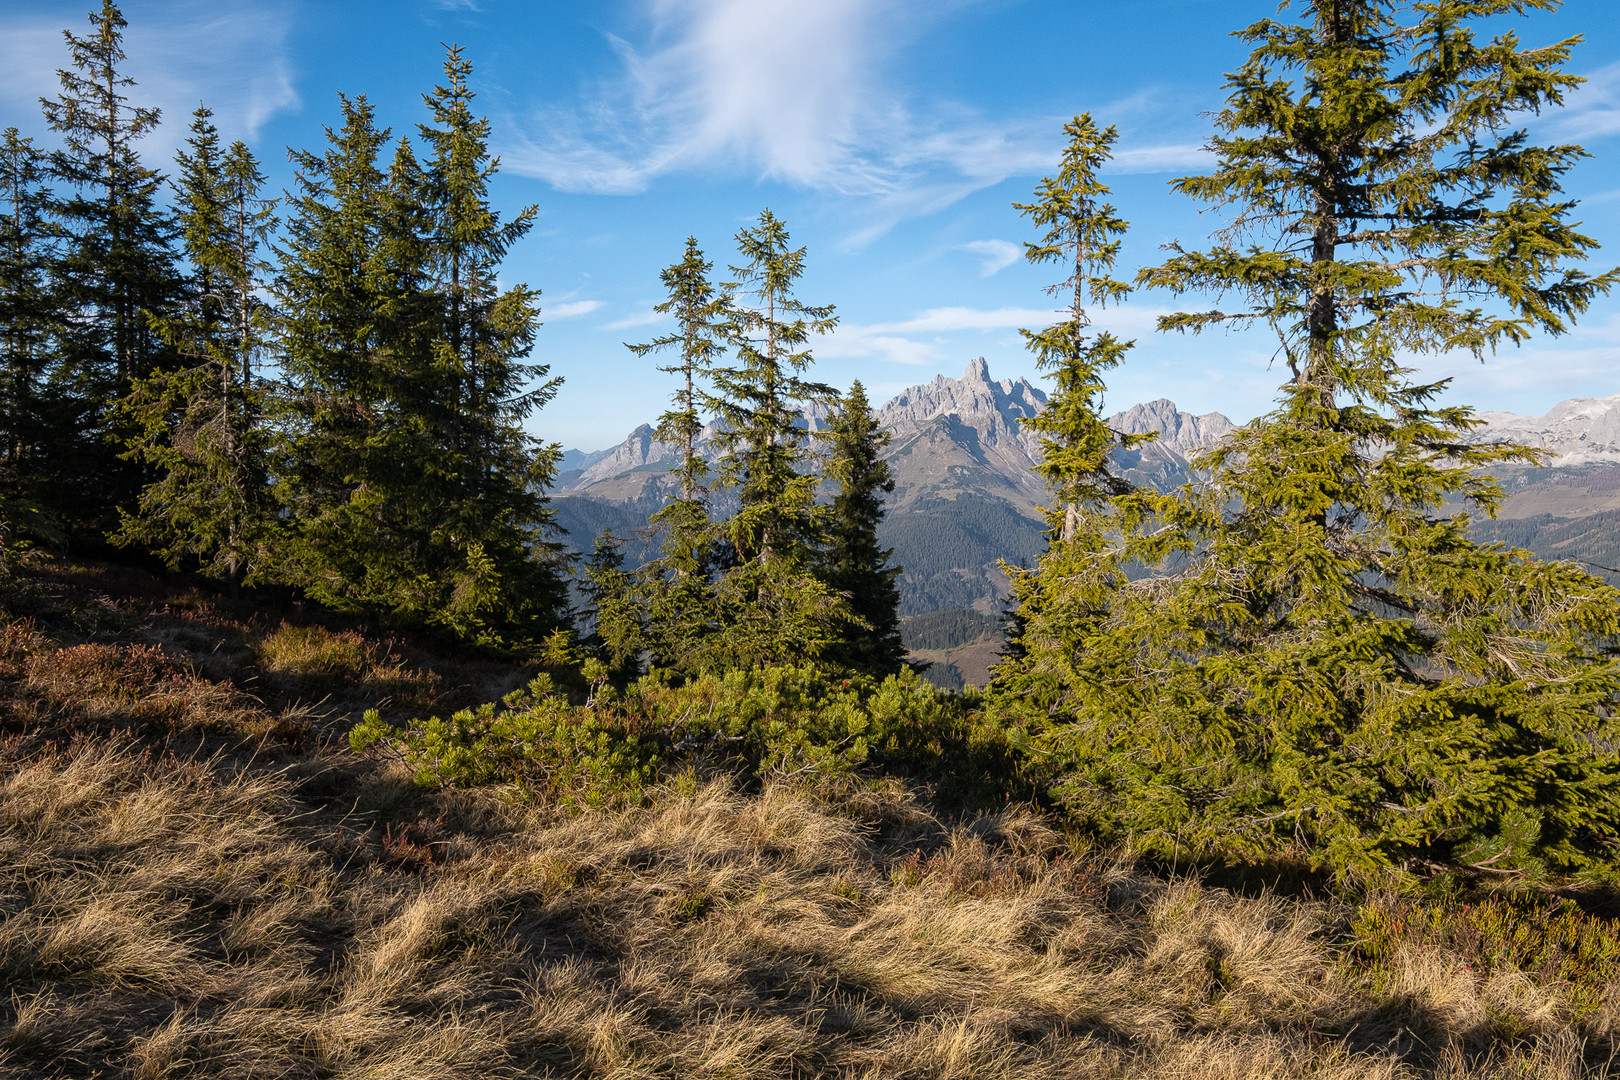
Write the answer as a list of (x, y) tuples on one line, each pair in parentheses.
[(202, 427), (115, 272), (1337, 672), (854, 561)]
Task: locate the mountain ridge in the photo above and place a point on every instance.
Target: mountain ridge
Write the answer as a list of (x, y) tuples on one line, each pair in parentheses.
[(966, 497)]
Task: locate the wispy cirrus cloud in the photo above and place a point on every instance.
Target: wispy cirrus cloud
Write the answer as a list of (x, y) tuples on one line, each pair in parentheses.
[(1592, 110), (996, 255), (181, 54), (931, 335), (803, 93), (571, 309)]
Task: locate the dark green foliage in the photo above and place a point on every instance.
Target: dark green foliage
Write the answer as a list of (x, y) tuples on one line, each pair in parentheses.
[(115, 270), (30, 319), (933, 541), (758, 400), (201, 428), (1337, 671), (853, 562), (614, 615), (680, 608), (415, 492), (939, 630)]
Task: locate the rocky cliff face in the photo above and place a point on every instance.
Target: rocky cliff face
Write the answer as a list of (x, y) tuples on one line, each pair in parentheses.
[(1580, 431)]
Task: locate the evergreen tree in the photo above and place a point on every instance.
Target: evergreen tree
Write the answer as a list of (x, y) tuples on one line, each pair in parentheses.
[(202, 427), (1076, 575), (769, 605), (116, 270), (333, 290), (759, 400), (29, 322), (1339, 672), (676, 585), (854, 563), (493, 507), (417, 495), (614, 611)]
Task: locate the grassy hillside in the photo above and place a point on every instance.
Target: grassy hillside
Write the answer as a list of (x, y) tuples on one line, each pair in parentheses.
[(199, 878)]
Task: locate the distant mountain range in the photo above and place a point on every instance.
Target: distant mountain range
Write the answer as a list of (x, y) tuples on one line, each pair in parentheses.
[(965, 497)]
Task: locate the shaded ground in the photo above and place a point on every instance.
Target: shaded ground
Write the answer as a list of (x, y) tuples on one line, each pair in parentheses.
[(198, 879)]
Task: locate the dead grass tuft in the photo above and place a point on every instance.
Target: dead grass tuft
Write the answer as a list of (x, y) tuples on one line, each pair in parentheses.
[(315, 660)]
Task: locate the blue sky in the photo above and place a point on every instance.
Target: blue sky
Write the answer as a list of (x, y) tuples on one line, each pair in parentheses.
[(891, 135)]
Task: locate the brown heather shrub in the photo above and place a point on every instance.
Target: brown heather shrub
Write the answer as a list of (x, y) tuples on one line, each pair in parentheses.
[(166, 916)]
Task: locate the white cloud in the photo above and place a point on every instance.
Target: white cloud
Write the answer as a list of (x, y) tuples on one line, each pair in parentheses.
[(898, 342), (572, 309), (1592, 110), (1170, 157), (180, 54), (643, 318), (998, 255), (784, 90)]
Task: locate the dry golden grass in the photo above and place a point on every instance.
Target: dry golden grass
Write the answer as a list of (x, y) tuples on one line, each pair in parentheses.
[(186, 892), (171, 917)]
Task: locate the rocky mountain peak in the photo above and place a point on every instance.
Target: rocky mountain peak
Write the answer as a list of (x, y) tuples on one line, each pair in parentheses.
[(1581, 431), (1182, 432), (992, 408)]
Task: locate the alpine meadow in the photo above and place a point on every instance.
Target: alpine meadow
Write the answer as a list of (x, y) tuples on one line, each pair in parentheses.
[(350, 727)]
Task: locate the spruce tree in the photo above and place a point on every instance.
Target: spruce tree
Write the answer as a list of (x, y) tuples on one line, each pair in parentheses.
[(676, 585), (1338, 672), (202, 427), (854, 563), (333, 290), (117, 270), (30, 320), (417, 496), (493, 506), (1075, 577), (759, 400), (770, 607)]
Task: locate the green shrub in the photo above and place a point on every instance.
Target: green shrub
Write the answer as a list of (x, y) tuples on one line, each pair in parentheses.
[(1555, 944), (797, 724)]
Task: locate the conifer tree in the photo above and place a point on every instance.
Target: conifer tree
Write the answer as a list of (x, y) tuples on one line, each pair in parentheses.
[(769, 605), (759, 400), (676, 585), (417, 494), (1339, 672), (30, 321), (333, 290), (614, 613), (116, 270), (854, 562), (202, 427), (1075, 576), (493, 506)]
